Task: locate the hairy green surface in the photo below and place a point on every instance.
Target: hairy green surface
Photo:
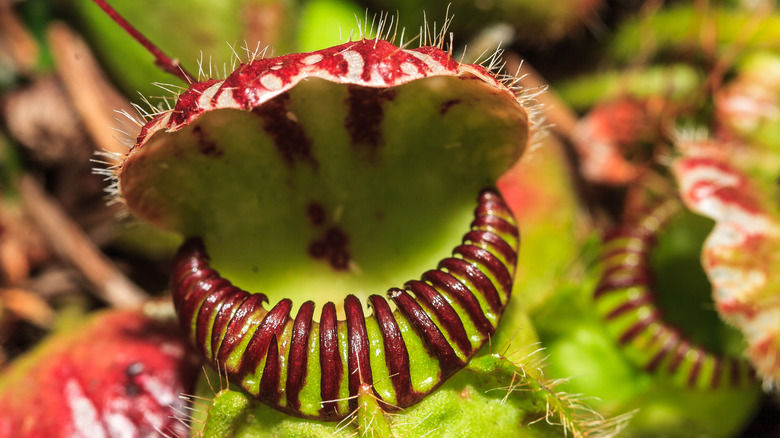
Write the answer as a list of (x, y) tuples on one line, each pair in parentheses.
[(596, 366), (491, 393)]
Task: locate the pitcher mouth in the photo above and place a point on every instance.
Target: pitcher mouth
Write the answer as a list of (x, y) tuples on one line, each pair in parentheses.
[(313, 368), (357, 163), (627, 303)]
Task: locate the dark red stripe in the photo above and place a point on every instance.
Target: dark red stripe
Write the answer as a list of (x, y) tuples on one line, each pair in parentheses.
[(475, 254), (200, 291), (632, 247), (735, 375), (434, 340), (489, 195), (211, 305), (661, 354), (225, 314), (629, 279), (365, 114), (270, 327), (190, 257), (678, 355), (625, 269), (494, 208), (297, 365), (493, 243), (717, 370), (629, 305), (330, 361), (436, 304), (183, 278), (446, 283), (358, 357), (396, 355), (696, 368), (495, 224), (269, 382), (637, 328), (182, 290), (237, 327), (480, 281), (289, 136)]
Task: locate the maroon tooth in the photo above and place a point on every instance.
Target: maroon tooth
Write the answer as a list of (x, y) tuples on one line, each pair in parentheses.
[(494, 209), (330, 361), (446, 282), (270, 327), (269, 383), (189, 266), (678, 355), (237, 327), (190, 257), (214, 303), (659, 356), (438, 305), (629, 305), (481, 256), (186, 265), (224, 315), (183, 289), (693, 374), (621, 281), (639, 270), (735, 376), (489, 195), (491, 205), (396, 355), (358, 358), (716, 372), (640, 249), (200, 291), (493, 243), (476, 277), (669, 345), (637, 328), (299, 355), (496, 225), (434, 340)]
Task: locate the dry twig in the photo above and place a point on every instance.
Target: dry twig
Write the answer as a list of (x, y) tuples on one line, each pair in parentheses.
[(95, 99), (72, 245)]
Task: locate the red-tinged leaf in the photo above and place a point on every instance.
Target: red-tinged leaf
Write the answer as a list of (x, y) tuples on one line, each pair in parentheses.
[(741, 254), (119, 375)]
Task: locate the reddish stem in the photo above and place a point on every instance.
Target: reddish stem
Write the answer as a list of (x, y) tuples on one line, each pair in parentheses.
[(165, 62)]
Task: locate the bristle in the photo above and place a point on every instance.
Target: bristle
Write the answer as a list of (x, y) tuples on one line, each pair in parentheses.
[(425, 31), (233, 59), (359, 26), (127, 116), (371, 29), (201, 73), (394, 27), (170, 88)]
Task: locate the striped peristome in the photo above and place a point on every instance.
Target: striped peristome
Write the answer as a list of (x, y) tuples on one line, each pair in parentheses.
[(314, 368), (625, 300), (366, 63)]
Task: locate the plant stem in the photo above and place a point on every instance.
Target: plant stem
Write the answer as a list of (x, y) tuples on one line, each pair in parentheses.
[(165, 62)]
